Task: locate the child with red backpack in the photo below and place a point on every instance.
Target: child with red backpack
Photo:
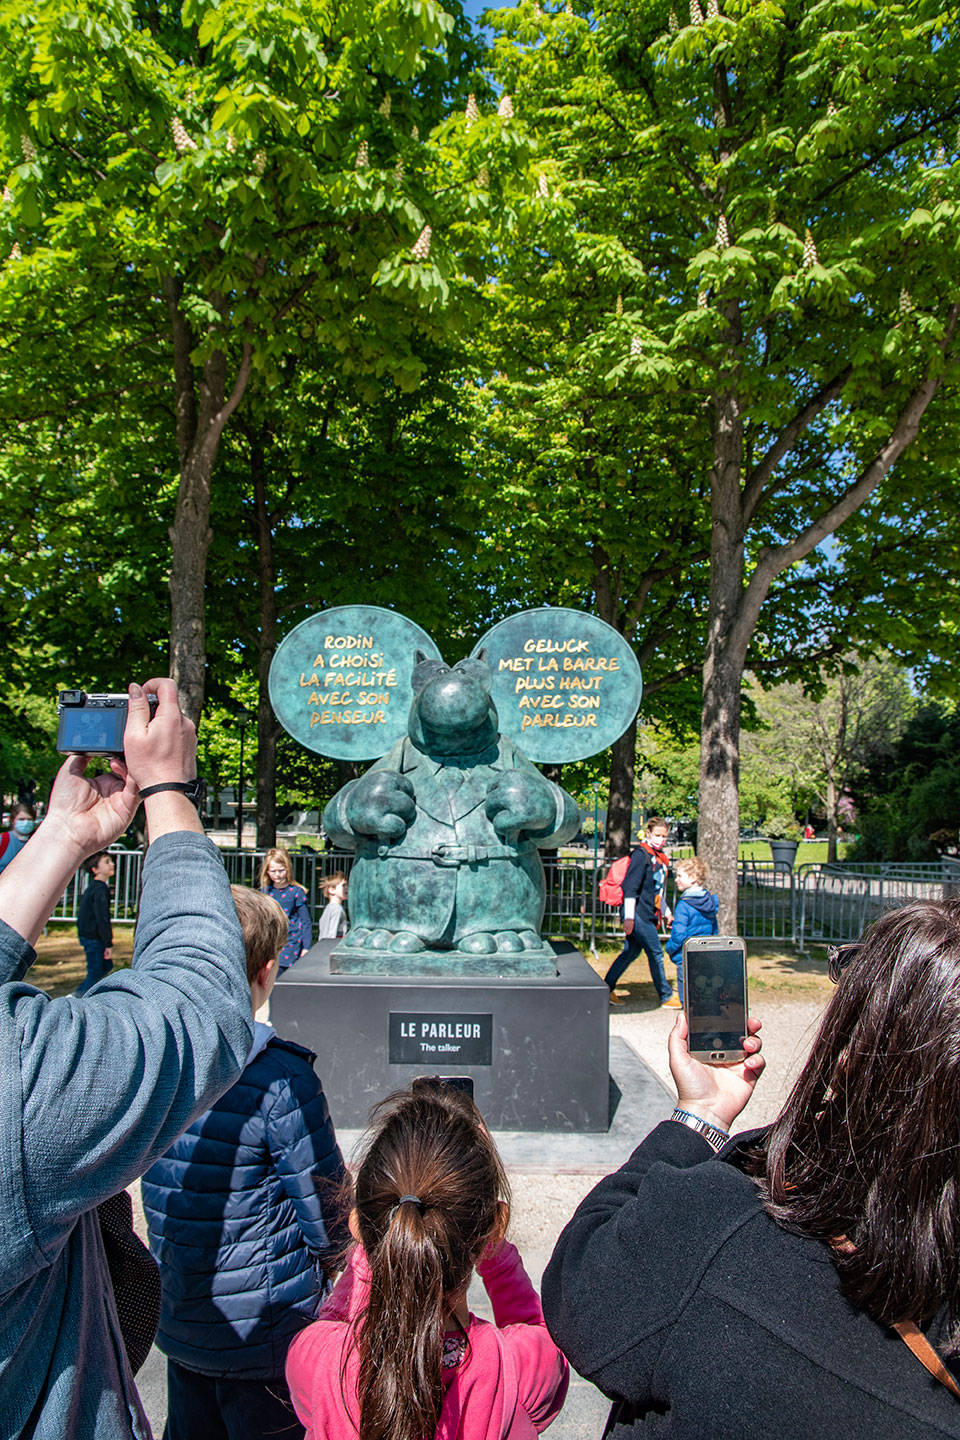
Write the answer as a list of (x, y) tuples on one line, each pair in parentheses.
[(641, 907)]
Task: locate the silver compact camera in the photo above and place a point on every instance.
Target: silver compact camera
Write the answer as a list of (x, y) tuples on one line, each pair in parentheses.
[(93, 724)]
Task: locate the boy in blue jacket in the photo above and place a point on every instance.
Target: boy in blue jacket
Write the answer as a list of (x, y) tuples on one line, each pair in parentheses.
[(242, 1211), (696, 912)]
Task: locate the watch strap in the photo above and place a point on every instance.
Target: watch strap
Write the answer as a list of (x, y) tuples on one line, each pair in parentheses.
[(190, 788), (714, 1137)]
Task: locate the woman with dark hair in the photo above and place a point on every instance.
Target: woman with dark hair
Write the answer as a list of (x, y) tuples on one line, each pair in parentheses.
[(23, 822), (766, 1289), (395, 1354)]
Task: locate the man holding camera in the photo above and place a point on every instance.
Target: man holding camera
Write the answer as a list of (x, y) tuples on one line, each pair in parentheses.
[(96, 1088)]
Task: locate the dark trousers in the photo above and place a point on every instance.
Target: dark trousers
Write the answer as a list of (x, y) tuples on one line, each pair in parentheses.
[(644, 937), (210, 1407), (97, 966)]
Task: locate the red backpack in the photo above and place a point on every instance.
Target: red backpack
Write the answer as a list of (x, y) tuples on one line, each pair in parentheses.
[(611, 886)]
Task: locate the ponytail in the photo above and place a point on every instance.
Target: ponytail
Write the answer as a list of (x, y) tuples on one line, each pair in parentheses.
[(430, 1192)]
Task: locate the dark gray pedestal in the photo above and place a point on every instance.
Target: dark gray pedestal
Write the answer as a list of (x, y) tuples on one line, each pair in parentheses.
[(537, 1047)]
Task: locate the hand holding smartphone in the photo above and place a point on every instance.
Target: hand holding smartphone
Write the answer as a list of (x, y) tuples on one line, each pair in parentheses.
[(715, 997), (715, 1047)]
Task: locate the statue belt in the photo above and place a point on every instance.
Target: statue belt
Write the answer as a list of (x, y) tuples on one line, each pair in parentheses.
[(450, 856)]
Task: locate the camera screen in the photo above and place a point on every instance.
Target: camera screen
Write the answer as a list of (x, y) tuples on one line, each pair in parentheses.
[(715, 985), (91, 731)]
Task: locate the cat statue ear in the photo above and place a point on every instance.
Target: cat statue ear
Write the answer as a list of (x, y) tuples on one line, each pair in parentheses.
[(425, 669), (476, 666)]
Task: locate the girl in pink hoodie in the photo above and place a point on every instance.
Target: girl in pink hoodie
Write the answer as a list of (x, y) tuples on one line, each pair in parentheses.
[(395, 1354)]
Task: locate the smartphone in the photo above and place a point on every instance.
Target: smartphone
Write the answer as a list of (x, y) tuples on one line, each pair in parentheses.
[(435, 1082), (715, 997)]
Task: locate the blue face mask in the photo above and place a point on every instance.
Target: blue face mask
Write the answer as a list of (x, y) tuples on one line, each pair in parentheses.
[(24, 827)]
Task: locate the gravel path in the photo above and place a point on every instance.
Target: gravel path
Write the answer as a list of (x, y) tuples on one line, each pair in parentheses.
[(542, 1204)]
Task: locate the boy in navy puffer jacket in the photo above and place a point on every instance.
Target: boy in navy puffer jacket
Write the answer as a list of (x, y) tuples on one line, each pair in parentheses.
[(696, 912), (241, 1210)]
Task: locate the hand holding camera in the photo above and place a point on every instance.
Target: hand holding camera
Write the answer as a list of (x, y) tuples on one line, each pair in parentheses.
[(159, 742), (149, 742)]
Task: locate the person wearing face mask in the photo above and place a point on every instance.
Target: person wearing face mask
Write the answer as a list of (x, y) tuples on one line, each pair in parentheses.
[(13, 840), (641, 910)]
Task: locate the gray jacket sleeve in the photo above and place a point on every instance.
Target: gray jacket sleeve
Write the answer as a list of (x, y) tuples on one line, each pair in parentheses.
[(109, 1080)]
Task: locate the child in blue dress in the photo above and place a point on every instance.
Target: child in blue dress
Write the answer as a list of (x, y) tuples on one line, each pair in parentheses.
[(276, 880)]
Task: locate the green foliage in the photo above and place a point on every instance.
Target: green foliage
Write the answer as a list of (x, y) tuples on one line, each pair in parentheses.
[(265, 158), (27, 735), (740, 303), (909, 801)]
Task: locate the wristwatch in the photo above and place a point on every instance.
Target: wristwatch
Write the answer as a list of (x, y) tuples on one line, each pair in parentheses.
[(715, 1138), (193, 789)]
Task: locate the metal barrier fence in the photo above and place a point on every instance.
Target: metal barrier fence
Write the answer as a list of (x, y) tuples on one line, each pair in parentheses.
[(765, 893), (812, 904), (836, 902), (124, 889)]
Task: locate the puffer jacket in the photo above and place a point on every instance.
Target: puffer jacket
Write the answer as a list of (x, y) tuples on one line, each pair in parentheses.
[(696, 914), (239, 1210)]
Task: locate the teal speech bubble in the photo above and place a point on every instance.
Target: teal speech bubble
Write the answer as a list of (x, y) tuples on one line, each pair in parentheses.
[(566, 685), (340, 683)]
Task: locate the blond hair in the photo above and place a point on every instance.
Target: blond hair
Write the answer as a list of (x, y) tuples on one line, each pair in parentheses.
[(330, 882), (656, 822), (694, 867), (269, 859), (264, 927)]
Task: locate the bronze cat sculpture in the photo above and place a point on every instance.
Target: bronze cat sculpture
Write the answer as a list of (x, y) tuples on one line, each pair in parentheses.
[(447, 828)]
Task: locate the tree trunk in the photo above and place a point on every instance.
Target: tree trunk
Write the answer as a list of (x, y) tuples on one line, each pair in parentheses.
[(190, 537), (719, 809), (623, 763), (348, 770), (267, 728), (202, 409)]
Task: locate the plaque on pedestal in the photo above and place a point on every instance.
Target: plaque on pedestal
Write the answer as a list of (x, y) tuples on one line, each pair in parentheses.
[(537, 1047)]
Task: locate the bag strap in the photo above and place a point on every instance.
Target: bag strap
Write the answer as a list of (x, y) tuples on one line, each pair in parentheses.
[(917, 1342)]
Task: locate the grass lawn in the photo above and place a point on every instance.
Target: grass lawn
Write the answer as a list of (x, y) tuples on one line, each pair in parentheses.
[(61, 964), (773, 971), (809, 852)]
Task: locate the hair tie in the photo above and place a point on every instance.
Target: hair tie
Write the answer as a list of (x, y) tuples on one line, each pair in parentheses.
[(408, 1199)]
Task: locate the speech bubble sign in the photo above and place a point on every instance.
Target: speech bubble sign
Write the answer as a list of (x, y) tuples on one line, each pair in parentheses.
[(566, 685), (340, 683)]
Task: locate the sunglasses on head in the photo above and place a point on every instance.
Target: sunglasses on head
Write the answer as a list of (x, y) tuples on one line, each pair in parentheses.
[(839, 957)]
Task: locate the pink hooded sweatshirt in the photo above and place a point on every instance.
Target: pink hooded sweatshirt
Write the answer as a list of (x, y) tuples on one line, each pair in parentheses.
[(510, 1384)]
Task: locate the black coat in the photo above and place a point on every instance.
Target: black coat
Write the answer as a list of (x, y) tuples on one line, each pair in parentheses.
[(93, 913), (702, 1319), (640, 883)]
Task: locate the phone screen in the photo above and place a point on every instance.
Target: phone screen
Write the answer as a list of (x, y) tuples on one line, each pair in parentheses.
[(91, 730), (716, 995)]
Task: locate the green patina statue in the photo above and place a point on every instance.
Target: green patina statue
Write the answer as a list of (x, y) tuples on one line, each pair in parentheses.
[(447, 829)]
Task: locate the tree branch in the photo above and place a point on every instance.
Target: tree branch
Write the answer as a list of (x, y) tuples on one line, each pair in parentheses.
[(774, 559), (755, 493)]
